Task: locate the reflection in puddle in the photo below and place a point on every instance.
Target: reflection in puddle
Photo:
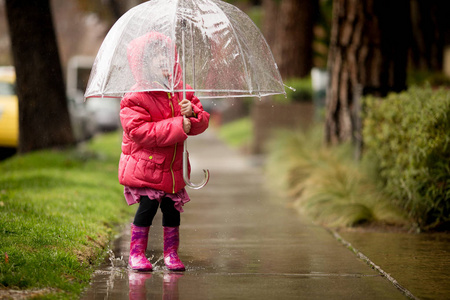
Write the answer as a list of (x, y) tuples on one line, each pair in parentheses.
[(136, 281), (113, 280), (112, 283), (138, 289)]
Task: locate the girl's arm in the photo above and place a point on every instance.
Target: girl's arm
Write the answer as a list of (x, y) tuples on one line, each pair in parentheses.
[(138, 125)]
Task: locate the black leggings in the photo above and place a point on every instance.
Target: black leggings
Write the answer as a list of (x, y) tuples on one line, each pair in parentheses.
[(147, 210)]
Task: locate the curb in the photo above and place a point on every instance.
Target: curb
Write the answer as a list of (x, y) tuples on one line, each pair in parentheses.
[(361, 256)]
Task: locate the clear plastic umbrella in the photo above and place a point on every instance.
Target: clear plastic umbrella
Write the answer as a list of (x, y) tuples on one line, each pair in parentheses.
[(210, 44)]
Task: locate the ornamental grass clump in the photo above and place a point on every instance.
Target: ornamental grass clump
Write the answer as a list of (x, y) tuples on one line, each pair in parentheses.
[(408, 135), (325, 183)]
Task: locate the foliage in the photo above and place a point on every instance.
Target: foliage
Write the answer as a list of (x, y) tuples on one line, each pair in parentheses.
[(423, 78), (301, 92), (58, 209), (255, 13), (325, 183), (409, 136)]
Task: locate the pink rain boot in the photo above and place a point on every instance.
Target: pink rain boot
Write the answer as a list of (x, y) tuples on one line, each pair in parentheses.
[(171, 243), (138, 245)]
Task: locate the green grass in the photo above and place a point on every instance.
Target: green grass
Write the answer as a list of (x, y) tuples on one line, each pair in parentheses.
[(58, 211), (326, 183), (238, 133)]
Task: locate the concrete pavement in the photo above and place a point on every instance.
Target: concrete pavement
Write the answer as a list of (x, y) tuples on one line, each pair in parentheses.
[(240, 241)]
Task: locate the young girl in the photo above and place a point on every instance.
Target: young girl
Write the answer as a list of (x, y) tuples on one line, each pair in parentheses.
[(155, 124)]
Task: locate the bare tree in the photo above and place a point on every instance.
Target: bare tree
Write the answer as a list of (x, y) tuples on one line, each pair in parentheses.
[(368, 55), (43, 114)]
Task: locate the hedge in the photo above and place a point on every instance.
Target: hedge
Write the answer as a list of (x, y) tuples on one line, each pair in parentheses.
[(408, 135)]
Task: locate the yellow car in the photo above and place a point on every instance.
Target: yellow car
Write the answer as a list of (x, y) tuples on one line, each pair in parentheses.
[(9, 108)]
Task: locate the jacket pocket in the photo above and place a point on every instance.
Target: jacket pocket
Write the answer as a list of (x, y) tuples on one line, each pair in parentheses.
[(150, 169)]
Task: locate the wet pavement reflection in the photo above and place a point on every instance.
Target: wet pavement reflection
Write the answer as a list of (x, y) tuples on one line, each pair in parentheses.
[(239, 241), (420, 262)]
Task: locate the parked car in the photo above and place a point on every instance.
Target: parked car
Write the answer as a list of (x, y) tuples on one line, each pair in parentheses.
[(82, 120), (9, 108), (104, 112)]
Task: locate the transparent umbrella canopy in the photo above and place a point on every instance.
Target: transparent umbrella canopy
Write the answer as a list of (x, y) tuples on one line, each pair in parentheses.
[(209, 44)]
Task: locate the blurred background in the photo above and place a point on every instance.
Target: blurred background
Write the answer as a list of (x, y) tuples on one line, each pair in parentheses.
[(408, 40), (334, 54)]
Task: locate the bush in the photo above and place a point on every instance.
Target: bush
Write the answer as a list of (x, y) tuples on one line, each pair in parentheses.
[(408, 134), (422, 78)]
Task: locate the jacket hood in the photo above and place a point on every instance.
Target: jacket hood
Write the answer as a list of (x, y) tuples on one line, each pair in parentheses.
[(141, 54)]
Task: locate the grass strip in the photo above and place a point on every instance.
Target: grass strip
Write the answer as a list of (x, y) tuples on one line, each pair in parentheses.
[(238, 133), (58, 211)]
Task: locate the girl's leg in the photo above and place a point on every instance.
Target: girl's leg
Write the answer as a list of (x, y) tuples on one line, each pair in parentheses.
[(146, 212), (171, 223), (139, 234), (171, 216)]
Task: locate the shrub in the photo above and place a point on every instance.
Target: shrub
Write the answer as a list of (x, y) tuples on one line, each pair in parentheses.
[(420, 77), (408, 134)]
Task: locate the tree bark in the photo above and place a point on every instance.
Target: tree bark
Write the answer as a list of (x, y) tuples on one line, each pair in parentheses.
[(368, 52), (429, 28), (43, 114), (271, 10), (289, 32)]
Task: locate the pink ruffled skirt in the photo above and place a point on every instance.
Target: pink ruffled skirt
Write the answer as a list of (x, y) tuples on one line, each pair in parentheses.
[(133, 195)]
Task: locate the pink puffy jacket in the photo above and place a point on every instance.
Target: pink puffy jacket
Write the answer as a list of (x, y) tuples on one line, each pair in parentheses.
[(153, 135)]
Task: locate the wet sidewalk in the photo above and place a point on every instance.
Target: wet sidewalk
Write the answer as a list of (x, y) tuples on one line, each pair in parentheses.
[(238, 241)]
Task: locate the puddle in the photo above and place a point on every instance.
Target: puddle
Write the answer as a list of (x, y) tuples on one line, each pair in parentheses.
[(113, 280), (238, 242)]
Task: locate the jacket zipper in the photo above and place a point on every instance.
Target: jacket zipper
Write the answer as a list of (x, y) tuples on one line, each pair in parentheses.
[(175, 151)]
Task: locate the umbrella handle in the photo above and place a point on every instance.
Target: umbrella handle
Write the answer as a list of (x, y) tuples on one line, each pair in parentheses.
[(185, 153), (186, 175)]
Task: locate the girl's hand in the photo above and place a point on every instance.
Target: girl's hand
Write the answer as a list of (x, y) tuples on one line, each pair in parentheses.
[(186, 125), (186, 108)]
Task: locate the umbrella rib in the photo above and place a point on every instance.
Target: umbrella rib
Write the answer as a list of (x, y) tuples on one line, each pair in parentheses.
[(174, 24), (105, 81), (249, 81), (270, 52)]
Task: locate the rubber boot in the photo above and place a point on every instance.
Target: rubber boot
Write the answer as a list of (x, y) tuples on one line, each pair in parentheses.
[(171, 243), (138, 245)]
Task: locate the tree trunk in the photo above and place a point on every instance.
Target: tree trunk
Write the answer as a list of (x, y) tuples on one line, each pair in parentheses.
[(368, 52), (428, 20), (289, 29), (271, 10), (43, 114)]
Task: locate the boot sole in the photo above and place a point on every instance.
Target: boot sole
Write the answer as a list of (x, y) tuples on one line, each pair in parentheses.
[(179, 270), (140, 270)]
